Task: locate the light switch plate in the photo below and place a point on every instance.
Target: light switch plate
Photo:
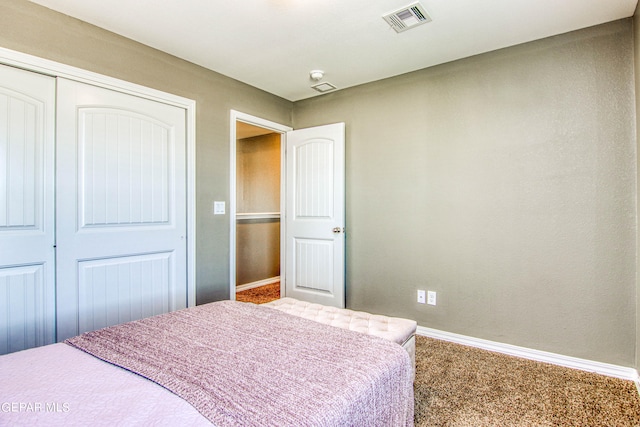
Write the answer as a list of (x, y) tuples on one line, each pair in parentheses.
[(218, 208), (421, 297)]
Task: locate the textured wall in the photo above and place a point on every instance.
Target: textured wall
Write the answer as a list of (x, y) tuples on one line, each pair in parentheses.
[(506, 183), (29, 28), (258, 174), (257, 250)]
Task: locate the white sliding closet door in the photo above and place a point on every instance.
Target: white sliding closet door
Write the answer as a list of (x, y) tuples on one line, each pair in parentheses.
[(27, 271), (121, 208)]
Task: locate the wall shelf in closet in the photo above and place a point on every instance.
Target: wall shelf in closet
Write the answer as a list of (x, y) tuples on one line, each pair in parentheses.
[(257, 215)]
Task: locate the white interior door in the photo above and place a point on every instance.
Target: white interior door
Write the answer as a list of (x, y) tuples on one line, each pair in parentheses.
[(315, 215), (27, 271), (121, 208)]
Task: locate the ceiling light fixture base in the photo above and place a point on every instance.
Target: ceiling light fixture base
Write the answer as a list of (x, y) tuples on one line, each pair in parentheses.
[(316, 75)]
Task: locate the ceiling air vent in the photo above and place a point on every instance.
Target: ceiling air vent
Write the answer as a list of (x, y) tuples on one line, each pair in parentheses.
[(323, 87), (408, 17)]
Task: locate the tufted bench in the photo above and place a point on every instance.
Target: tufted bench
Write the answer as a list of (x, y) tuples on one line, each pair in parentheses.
[(398, 330)]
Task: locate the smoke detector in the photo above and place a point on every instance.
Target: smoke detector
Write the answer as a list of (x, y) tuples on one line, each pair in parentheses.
[(408, 17), (316, 75)]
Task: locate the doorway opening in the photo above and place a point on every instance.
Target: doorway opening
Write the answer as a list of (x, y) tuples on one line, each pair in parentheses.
[(256, 209)]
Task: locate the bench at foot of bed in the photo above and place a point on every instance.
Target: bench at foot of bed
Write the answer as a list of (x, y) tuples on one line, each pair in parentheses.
[(396, 329)]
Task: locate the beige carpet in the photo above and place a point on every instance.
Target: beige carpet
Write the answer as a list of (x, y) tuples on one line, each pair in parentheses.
[(261, 294), (464, 386)]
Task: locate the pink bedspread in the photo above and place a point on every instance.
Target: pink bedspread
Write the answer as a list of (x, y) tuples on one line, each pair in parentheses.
[(58, 385), (245, 365)]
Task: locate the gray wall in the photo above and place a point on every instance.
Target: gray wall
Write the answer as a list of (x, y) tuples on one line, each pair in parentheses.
[(32, 29), (506, 183)]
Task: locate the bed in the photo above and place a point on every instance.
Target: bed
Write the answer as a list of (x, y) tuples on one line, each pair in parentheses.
[(225, 363)]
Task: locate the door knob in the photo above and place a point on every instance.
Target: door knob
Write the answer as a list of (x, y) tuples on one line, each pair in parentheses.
[(337, 229)]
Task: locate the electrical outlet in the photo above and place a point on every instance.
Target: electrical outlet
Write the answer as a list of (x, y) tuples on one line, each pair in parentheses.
[(431, 298), (422, 297)]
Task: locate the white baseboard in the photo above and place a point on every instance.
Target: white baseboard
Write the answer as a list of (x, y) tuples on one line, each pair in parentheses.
[(537, 355), (257, 284)]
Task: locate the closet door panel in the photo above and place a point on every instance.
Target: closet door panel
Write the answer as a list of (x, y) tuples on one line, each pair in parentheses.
[(121, 207), (124, 169), (27, 295), (121, 289), (26, 308)]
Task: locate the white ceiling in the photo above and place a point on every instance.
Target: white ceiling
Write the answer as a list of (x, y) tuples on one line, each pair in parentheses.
[(273, 44)]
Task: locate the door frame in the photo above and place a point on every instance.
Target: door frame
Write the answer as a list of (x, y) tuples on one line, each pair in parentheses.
[(55, 69), (237, 116)]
